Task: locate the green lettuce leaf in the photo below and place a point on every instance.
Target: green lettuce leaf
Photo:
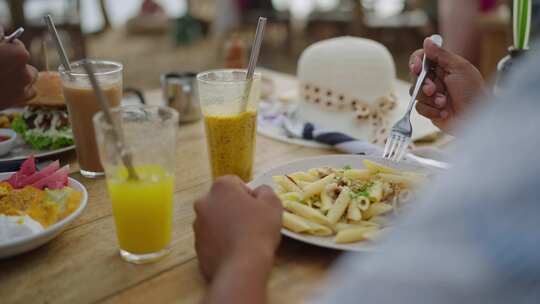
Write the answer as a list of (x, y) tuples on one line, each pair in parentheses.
[(51, 139), (19, 125), (43, 140)]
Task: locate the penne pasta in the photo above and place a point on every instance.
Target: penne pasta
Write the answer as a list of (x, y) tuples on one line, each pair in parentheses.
[(352, 235), (304, 177), (326, 201), (357, 174), (375, 168), (314, 172), (295, 223), (318, 186), (299, 224), (379, 220), (375, 192), (290, 196), (350, 204), (279, 189), (373, 235), (377, 209), (302, 184), (343, 226), (340, 205), (306, 212), (363, 223), (408, 180), (353, 213), (319, 230), (363, 203), (286, 184)]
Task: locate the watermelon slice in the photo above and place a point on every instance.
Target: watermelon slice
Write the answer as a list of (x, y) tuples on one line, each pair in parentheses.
[(50, 169), (50, 177), (28, 168), (15, 180), (57, 180)]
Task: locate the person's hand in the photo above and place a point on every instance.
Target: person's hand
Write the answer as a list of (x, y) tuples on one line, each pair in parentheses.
[(16, 76), (450, 88), (236, 225)]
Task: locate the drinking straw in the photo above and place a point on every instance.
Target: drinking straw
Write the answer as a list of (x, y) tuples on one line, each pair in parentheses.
[(116, 130), (45, 54), (59, 46), (254, 57), (522, 23)]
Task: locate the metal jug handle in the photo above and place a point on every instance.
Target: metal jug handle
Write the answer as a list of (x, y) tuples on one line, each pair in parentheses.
[(170, 94), (137, 93), (187, 94)]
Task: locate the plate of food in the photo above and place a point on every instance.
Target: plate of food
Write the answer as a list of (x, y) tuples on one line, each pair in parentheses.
[(35, 206), (344, 202), (43, 126)]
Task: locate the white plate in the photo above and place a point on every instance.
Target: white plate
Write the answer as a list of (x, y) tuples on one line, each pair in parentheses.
[(335, 161), (22, 150), (28, 243)]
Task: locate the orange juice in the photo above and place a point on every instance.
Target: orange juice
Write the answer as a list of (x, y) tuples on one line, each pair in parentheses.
[(143, 209)]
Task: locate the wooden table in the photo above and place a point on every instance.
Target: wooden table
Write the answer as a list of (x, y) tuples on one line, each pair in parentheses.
[(82, 265)]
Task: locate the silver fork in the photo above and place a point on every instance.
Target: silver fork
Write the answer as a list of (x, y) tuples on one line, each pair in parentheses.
[(400, 136)]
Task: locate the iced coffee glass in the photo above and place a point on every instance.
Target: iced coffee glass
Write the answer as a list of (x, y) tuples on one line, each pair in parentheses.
[(82, 105), (230, 120)]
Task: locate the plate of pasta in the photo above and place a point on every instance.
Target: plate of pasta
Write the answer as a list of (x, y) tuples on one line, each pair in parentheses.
[(344, 202)]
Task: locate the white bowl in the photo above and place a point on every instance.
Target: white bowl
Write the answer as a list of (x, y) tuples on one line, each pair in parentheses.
[(7, 145), (24, 244)]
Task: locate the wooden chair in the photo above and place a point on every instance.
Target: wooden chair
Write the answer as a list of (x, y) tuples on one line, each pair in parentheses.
[(495, 36), (69, 28)]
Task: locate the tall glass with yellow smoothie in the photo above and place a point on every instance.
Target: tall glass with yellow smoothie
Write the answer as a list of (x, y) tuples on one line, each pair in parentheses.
[(142, 207), (230, 120)]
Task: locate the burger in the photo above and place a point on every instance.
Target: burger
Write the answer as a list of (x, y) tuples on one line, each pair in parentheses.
[(44, 123)]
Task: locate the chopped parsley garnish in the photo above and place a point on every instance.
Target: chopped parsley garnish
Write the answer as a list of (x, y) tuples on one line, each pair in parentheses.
[(347, 167), (358, 194)]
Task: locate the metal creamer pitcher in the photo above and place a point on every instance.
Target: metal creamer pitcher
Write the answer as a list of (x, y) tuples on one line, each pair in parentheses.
[(180, 93)]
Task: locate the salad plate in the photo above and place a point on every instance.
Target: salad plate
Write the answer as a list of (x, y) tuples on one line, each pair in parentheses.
[(21, 149)]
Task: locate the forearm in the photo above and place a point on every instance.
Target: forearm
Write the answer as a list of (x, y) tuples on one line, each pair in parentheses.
[(242, 280), (457, 20)]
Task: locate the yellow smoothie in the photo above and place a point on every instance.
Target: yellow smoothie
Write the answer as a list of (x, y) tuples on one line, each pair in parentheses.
[(143, 209), (231, 144)]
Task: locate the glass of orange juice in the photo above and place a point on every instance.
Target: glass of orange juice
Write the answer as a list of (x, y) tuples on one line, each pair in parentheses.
[(230, 120), (142, 208)]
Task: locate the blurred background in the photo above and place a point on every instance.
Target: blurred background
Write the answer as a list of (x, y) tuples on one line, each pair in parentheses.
[(155, 37)]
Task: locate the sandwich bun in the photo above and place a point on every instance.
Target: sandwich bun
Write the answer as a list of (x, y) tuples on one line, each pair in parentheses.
[(49, 93)]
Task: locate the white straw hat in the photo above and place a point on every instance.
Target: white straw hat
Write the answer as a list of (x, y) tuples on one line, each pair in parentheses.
[(348, 84)]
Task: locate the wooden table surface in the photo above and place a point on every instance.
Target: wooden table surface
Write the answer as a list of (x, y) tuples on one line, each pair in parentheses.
[(82, 265)]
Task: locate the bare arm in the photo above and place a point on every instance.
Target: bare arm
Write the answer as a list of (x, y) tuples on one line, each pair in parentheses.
[(458, 22), (237, 231), (242, 280)]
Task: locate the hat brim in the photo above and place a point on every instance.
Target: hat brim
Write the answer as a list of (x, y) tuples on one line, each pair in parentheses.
[(422, 126)]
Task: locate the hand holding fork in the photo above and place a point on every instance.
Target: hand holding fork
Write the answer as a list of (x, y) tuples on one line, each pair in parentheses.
[(400, 136)]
